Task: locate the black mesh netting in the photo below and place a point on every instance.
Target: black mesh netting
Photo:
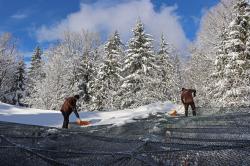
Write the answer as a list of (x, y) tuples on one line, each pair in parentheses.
[(203, 140)]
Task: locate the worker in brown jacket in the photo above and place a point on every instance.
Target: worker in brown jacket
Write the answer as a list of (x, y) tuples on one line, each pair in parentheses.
[(68, 107), (187, 99)]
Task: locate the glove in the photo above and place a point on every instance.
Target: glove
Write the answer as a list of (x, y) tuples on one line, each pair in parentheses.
[(78, 121)]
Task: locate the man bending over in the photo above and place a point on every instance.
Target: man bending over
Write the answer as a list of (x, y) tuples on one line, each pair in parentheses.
[(187, 99), (68, 107)]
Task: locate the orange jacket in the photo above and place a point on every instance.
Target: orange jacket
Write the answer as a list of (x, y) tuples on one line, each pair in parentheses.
[(186, 96), (69, 106)]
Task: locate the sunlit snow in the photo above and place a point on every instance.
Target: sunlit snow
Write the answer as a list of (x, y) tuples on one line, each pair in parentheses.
[(10, 113)]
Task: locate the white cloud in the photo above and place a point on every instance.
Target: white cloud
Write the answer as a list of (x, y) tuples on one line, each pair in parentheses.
[(122, 17), (19, 16)]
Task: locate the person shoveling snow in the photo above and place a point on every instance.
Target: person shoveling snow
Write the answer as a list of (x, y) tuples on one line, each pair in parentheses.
[(187, 99), (68, 107)]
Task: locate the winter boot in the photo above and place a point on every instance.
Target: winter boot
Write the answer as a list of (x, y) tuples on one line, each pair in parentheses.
[(194, 113), (186, 113)]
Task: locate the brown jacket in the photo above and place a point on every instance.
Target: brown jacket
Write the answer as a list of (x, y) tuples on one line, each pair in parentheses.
[(187, 97), (69, 106)]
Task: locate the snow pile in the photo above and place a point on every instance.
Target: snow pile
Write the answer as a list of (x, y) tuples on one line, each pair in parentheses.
[(16, 114), (130, 115), (51, 118)]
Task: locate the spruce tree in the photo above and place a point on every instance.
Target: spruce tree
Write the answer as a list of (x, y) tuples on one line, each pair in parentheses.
[(36, 65), (166, 70), (177, 81), (20, 83), (35, 74), (139, 69), (85, 82), (108, 77), (231, 86)]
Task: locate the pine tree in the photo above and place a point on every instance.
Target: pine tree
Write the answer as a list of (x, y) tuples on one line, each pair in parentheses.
[(35, 75), (20, 83), (36, 64), (177, 78), (86, 73), (231, 87), (166, 70), (108, 77), (139, 69)]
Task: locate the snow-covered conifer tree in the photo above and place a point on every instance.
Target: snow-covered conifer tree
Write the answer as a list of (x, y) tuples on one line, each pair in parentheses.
[(86, 70), (204, 49), (166, 70), (8, 67), (35, 74), (231, 86), (108, 77), (177, 78), (140, 76), (85, 74), (20, 80), (36, 65)]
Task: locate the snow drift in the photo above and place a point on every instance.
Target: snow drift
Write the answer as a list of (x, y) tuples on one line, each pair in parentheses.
[(16, 114)]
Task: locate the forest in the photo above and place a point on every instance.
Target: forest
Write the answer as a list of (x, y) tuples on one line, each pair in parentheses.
[(112, 74)]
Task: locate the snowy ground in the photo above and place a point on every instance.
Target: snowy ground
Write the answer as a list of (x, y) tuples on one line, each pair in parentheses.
[(50, 118)]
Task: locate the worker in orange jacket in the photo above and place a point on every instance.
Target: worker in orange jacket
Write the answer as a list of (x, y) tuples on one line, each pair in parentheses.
[(187, 99), (68, 107)]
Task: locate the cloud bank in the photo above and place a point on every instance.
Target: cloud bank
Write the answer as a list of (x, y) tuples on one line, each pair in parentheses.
[(105, 19)]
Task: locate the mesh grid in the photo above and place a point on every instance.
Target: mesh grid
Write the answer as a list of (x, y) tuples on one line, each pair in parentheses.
[(205, 140)]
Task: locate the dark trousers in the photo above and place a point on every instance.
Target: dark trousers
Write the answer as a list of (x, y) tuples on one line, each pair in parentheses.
[(186, 105), (65, 119)]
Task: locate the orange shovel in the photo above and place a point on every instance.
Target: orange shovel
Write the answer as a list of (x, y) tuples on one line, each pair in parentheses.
[(83, 123), (172, 113)]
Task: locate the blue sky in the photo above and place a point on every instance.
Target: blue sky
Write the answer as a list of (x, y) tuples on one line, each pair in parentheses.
[(40, 22)]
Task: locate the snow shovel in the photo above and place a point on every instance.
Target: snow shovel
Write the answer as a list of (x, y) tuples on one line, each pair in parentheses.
[(173, 113), (83, 123)]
